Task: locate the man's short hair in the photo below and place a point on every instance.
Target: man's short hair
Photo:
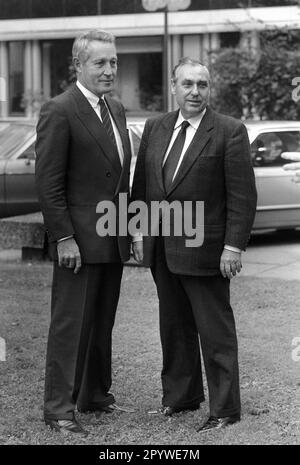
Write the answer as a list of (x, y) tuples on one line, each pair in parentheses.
[(82, 42), (187, 61)]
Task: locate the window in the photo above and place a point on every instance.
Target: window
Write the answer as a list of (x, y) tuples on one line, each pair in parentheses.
[(13, 9), (230, 39), (61, 69), (16, 77), (13, 136), (267, 148), (59, 8), (140, 81), (29, 153)]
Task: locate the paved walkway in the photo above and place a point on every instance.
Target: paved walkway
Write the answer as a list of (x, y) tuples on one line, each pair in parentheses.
[(272, 255), (280, 261)]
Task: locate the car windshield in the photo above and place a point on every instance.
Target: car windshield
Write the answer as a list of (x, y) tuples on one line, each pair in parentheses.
[(13, 136)]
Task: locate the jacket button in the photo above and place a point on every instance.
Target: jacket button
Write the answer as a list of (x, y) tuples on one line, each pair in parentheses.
[(108, 174)]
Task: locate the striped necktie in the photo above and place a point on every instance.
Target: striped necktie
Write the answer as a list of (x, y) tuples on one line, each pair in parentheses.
[(106, 121), (171, 163)]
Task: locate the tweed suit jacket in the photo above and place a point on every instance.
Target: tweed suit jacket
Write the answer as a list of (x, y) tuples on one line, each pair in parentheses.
[(217, 170)]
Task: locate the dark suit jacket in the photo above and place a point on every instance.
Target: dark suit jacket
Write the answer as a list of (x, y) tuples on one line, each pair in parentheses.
[(216, 169), (77, 166)]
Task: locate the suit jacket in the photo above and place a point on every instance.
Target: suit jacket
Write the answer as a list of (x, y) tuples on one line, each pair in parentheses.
[(217, 170), (77, 166)]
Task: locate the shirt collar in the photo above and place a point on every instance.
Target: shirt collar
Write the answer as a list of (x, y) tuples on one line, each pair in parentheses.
[(91, 97), (194, 122)]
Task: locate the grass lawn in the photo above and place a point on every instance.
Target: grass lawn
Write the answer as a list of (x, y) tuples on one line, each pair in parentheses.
[(267, 318)]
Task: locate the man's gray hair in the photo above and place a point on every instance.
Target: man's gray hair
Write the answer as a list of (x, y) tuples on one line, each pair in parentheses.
[(82, 42), (187, 61)]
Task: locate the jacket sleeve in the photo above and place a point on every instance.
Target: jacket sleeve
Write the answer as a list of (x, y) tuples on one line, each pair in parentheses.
[(241, 196), (139, 180), (52, 151)]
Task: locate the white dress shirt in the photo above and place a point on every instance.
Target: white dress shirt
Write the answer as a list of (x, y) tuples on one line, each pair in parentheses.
[(190, 132)]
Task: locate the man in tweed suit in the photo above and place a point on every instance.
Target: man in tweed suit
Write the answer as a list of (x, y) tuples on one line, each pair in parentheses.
[(195, 154)]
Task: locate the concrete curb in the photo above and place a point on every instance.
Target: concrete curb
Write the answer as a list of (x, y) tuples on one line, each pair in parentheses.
[(22, 231)]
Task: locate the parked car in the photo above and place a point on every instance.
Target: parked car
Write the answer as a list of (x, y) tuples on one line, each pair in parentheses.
[(17, 166), (278, 197), (278, 203)]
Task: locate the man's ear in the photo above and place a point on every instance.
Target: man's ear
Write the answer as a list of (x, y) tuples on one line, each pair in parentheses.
[(173, 87), (77, 64)]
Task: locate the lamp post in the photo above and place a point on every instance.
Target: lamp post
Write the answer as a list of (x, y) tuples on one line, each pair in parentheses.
[(165, 6)]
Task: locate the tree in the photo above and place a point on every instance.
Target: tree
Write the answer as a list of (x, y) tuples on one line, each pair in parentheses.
[(258, 83), (232, 69)]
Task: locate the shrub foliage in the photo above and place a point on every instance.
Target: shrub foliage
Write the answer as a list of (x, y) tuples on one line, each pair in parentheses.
[(257, 83)]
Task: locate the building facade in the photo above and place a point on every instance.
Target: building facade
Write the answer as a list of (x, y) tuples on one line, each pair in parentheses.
[(36, 39)]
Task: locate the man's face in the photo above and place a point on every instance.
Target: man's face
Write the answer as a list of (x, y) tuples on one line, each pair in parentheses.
[(99, 71), (191, 89)]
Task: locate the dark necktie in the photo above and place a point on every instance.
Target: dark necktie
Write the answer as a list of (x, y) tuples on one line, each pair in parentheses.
[(171, 163), (106, 121)]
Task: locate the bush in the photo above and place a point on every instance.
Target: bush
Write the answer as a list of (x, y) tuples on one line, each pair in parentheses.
[(258, 83)]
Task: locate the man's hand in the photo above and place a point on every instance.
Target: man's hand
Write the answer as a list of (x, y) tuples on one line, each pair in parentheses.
[(230, 263), (137, 248), (69, 255), (293, 166)]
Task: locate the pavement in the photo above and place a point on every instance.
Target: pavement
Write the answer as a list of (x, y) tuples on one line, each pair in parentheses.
[(270, 254), (273, 254)]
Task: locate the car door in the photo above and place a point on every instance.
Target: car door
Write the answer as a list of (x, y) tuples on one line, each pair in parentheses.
[(20, 192), (278, 198)]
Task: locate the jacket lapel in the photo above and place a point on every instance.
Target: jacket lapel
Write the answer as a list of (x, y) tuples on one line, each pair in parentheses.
[(90, 120), (118, 117), (162, 140), (199, 142)]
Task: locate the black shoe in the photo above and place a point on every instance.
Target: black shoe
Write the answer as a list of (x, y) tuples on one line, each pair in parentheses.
[(169, 411), (218, 423), (110, 409), (66, 426)]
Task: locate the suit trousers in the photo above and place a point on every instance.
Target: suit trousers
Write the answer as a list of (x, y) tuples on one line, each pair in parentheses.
[(78, 363), (189, 307)]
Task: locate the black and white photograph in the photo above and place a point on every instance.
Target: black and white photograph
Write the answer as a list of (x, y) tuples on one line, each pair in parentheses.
[(149, 226)]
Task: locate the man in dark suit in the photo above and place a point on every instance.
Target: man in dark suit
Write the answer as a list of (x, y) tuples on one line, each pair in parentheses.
[(198, 155), (83, 158)]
